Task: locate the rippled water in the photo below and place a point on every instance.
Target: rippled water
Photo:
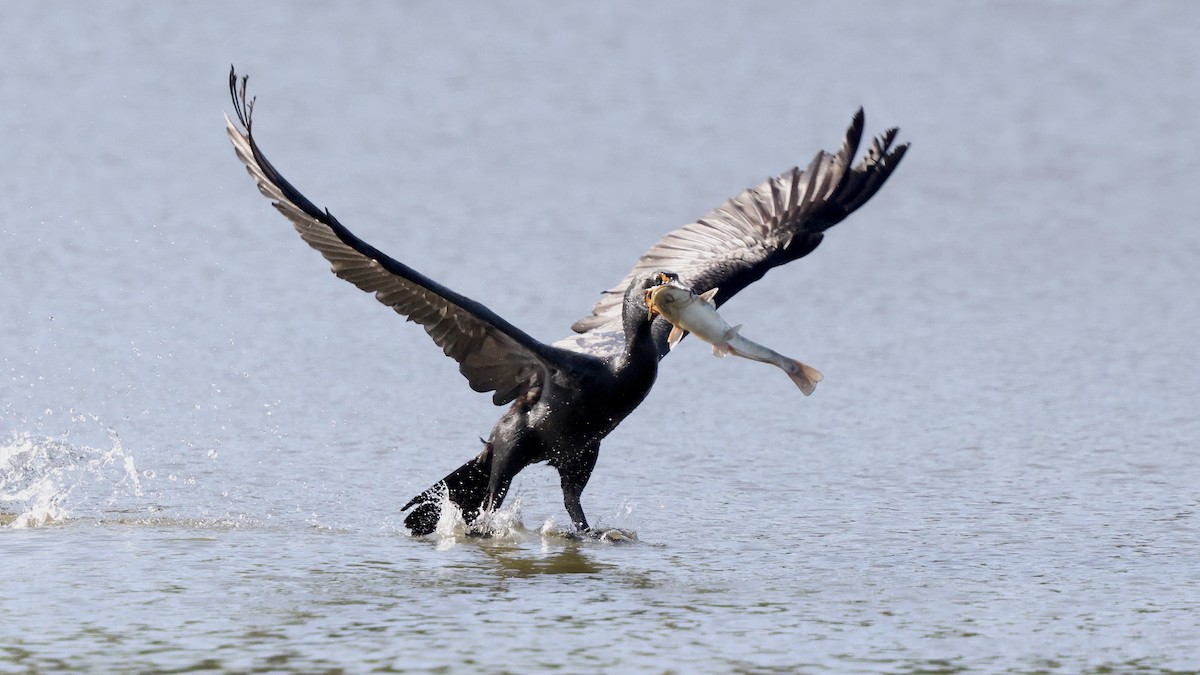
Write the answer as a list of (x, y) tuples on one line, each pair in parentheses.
[(206, 436)]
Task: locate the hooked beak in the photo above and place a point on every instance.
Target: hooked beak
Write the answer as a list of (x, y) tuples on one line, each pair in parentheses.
[(648, 298)]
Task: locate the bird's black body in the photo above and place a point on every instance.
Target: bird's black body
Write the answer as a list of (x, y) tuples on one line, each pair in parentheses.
[(561, 423), (564, 398)]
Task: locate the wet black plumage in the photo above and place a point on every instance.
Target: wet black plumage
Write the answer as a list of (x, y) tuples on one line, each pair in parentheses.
[(564, 398)]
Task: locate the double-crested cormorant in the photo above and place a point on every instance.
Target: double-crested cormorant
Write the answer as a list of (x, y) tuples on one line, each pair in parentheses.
[(564, 398)]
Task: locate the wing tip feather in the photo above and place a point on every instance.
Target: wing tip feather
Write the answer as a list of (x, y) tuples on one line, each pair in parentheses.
[(815, 199)]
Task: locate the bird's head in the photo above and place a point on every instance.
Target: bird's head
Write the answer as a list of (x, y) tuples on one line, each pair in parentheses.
[(637, 311), (640, 288)]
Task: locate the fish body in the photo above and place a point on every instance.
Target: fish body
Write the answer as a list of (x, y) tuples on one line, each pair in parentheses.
[(697, 314)]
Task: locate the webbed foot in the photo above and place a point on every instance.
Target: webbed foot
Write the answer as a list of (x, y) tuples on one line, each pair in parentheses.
[(611, 535)]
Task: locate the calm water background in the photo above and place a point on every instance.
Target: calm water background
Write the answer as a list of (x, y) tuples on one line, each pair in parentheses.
[(205, 436)]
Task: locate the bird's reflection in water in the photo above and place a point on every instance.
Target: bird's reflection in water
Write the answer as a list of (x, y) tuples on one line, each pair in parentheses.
[(518, 562)]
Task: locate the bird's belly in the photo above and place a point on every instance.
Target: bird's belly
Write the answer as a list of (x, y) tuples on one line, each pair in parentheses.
[(585, 419)]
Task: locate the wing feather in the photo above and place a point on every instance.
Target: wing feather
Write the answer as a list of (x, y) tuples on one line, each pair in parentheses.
[(492, 354), (778, 221)]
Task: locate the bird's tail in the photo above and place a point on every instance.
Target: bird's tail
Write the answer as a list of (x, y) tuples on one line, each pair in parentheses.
[(466, 487)]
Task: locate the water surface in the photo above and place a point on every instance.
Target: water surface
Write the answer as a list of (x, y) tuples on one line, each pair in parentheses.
[(206, 436)]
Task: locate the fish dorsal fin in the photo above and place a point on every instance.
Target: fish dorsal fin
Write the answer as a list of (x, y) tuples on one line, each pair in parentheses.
[(707, 296), (732, 332), (674, 337)]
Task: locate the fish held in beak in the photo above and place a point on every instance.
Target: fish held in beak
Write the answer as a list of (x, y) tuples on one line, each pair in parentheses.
[(664, 281), (691, 313)]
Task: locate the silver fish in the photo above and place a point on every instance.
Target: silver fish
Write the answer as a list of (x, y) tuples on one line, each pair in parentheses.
[(697, 314)]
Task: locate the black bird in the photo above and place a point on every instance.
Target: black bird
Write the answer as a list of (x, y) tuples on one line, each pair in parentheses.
[(564, 398)]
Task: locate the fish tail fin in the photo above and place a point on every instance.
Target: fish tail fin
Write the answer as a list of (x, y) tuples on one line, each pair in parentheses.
[(806, 377), (466, 487)]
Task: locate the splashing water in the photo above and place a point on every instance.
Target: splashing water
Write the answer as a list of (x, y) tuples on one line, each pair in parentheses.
[(504, 525), (39, 474)]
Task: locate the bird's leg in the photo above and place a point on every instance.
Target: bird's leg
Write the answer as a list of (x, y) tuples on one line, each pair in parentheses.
[(574, 477), (571, 495), (493, 500)]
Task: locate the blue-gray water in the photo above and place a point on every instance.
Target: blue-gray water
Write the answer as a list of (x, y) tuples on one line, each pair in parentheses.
[(205, 437)]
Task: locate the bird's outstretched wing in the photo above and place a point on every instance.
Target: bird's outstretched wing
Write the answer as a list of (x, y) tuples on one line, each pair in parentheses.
[(493, 354), (763, 227)]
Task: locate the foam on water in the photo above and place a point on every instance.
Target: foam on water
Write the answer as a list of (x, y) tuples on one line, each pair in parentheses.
[(39, 476)]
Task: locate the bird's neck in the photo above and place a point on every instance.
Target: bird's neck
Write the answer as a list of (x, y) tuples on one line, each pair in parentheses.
[(640, 349)]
